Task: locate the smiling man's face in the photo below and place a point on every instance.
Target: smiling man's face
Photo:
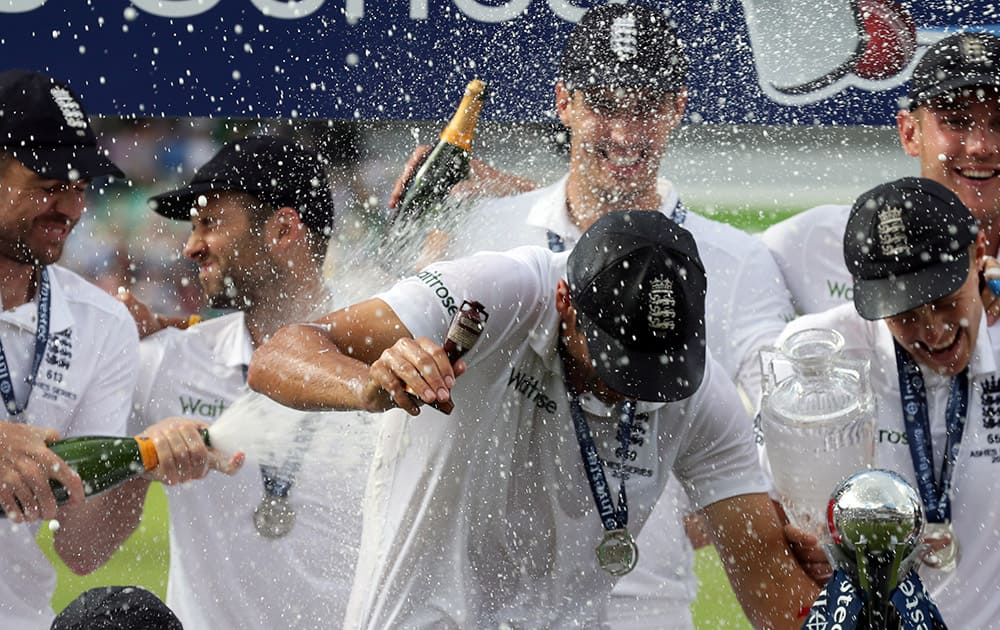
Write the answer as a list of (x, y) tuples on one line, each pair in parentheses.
[(942, 334), (618, 137), (229, 249), (36, 214), (958, 144)]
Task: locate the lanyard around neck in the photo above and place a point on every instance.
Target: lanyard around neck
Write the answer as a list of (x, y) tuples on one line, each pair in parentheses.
[(279, 480), (13, 408), (934, 492), (612, 517)]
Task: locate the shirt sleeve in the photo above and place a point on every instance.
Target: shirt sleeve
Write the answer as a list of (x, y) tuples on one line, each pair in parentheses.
[(105, 406), (718, 458), (511, 287)]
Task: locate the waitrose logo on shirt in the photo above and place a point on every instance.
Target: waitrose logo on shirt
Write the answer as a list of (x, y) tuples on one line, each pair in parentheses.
[(840, 290), (203, 407)]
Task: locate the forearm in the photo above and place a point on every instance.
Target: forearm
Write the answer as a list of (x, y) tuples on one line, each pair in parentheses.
[(89, 533), (300, 368), (770, 585)]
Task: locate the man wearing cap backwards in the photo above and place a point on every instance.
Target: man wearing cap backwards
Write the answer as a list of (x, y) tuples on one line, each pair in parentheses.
[(621, 93), (67, 350), (915, 253), (275, 545), (486, 517), (952, 125)]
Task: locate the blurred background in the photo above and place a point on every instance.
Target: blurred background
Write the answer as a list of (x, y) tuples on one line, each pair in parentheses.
[(746, 175)]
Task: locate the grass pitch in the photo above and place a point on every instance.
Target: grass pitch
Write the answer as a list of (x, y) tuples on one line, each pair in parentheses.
[(144, 558)]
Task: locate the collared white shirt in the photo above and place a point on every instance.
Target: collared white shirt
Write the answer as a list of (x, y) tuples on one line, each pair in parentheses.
[(83, 387), (485, 516), (809, 250), (746, 308), (223, 574), (967, 597)]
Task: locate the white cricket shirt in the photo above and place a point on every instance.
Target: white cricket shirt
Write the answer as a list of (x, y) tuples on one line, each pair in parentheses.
[(84, 387), (746, 308), (223, 573), (485, 517), (809, 250)]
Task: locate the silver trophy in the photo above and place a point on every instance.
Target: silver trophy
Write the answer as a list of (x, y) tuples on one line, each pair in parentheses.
[(877, 520)]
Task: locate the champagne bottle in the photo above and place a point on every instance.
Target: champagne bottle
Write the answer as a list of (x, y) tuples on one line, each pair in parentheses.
[(105, 462), (463, 332), (448, 163), (466, 326)]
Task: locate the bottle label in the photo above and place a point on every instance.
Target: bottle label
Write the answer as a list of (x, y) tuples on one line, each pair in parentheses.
[(464, 337), (465, 329)]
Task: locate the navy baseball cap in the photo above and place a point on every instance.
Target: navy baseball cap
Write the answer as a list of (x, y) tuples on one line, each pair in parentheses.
[(43, 125), (638, 286), (907, 244), (275, 170), (624, 46), (960, 61)]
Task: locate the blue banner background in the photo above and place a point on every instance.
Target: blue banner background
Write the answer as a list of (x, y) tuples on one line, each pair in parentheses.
[(374, 61)]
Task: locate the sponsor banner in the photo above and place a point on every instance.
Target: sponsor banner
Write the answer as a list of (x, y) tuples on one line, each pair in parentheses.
[(753, 61)]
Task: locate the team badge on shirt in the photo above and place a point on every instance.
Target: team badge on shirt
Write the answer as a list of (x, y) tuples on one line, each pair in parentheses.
[(990, 399), (59, 350)]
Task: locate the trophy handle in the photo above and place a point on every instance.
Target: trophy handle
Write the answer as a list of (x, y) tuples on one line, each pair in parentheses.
[(859, 369), (768, 355)]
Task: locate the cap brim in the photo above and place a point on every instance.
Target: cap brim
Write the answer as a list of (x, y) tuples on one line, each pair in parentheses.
[(954, 85), (879, 298), (649, 376), (66, 163), (177, 204), (584, 80)]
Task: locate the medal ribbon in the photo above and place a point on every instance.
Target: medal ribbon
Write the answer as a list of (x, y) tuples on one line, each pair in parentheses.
[(278, 482), (612, 517), (14, 409), (840, 604), (935, 493)]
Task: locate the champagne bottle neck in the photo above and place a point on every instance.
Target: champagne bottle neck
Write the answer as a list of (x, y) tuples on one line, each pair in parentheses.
[(461, 130), (147, 451)]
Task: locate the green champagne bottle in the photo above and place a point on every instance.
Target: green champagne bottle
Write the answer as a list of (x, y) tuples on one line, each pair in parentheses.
[(448, 163), (105, 462)]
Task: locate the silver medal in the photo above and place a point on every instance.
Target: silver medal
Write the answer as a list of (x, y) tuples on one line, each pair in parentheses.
[(617, 554), (274, 517), (941, 537)]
